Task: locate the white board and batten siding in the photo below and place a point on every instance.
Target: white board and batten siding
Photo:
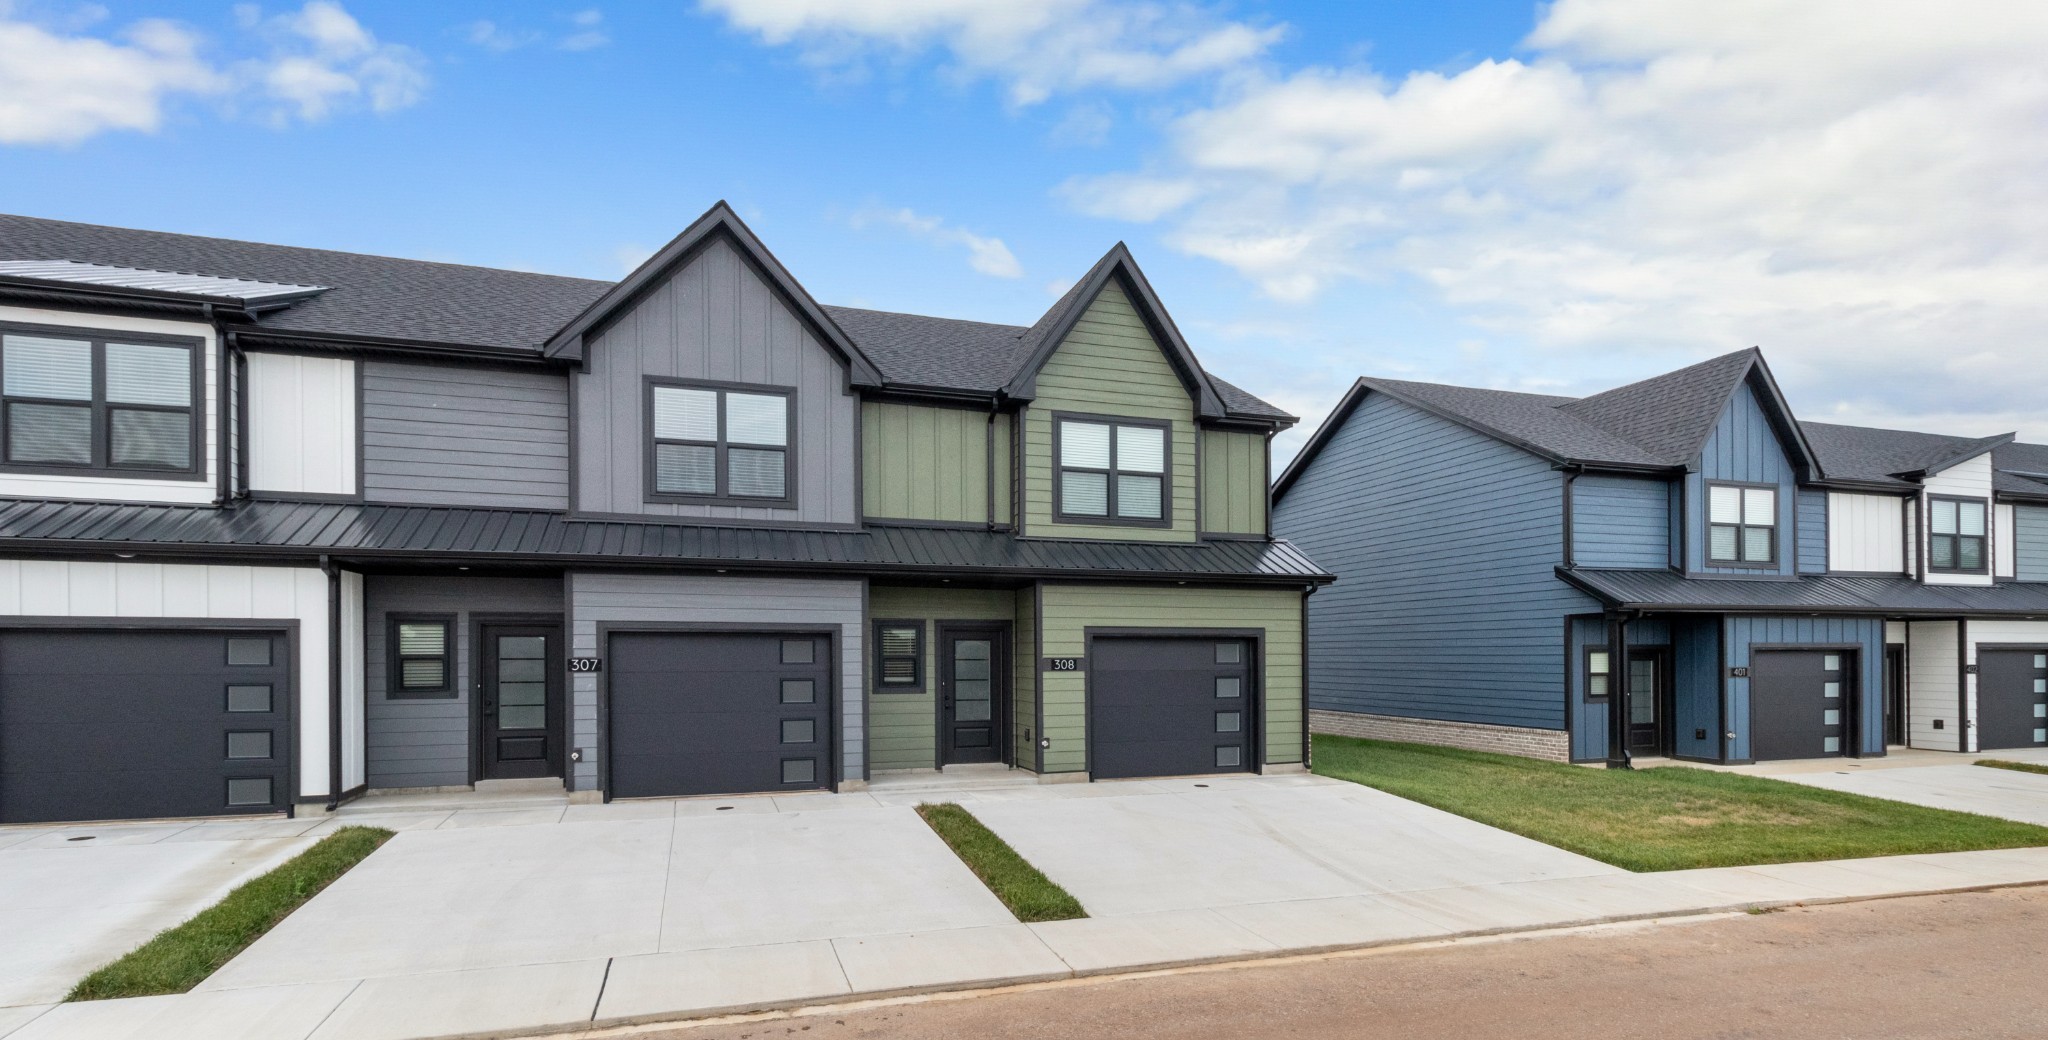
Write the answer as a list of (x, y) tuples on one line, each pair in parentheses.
[(302, 424), (129, 489), (657, 601), (1932, 670), (1971, 479), (2004, 544), (1866, 533), (209, 592)]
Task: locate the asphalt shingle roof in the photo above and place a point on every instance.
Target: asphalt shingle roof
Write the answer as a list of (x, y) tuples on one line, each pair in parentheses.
[(1538, 420), (459, 305), (1864, 453), (1670, 415)]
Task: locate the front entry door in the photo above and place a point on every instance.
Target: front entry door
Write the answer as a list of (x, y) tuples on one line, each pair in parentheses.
[(973, 694), (519, 701), (1646, 702)]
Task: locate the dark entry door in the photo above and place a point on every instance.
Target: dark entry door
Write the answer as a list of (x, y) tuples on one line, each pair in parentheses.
[(719, 712), (973, 696), (2012, 699), (119, 725), (1646, 671), (1170, 706), (1799, 703), (519, 695), (1894, 694)]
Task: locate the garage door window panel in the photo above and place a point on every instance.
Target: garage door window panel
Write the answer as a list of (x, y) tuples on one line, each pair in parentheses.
[(100, 405), (1956, 535), (249, 744), (422, 656), (720, 443), (1112, 471)]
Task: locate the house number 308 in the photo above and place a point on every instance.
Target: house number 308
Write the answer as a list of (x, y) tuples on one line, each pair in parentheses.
[(1063, 664)]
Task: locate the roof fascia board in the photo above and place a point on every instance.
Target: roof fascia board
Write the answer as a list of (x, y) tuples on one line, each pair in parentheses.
[(1860, 486), (718, 220), (101, 297), (1576, 581), (1331, 424), (375, 345), (1119, 264)]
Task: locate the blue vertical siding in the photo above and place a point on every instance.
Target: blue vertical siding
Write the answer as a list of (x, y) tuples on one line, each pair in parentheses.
[(1589, 718), (1742, 447), (1813, 531), (1445, 542), (1620, 522), (2030, 542), (1696, 687), (1742, 633)]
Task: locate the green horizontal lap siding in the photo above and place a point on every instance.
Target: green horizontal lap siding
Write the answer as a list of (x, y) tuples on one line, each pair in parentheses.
[(1026, 654), (1109, 365), (1233, 482), (903, 727), (1072, 609), (925, 463)]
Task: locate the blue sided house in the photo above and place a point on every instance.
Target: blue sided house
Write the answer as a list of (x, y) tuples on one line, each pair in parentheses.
[(1677, 568)]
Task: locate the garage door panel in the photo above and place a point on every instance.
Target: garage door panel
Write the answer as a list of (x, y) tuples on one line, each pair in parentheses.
[(131, 724), (707, 713), (2012, 698), (1799, 706), (1154, 709)]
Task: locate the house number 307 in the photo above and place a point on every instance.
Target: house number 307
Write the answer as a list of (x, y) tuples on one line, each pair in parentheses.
[(586, 664)]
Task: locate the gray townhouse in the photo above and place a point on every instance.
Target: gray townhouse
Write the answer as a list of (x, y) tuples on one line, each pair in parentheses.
[(1677, 567), (282, 525)]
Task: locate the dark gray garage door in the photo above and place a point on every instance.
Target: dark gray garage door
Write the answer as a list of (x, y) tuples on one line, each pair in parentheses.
[(1169, 706), (1799, 703), (116, 725), (2012, 699), (719, 712)]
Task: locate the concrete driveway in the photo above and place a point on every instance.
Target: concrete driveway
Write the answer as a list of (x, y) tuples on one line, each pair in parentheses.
[(1967, 788), (74, 898)]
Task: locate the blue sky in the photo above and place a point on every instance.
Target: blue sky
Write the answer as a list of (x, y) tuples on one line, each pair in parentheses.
[(1554, 199)]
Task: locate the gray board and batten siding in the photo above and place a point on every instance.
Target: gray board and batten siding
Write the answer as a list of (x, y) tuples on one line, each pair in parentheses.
[(1743, 448), (653, 602), (714, 318), (465, 435), (425, 741), (1452, 607)]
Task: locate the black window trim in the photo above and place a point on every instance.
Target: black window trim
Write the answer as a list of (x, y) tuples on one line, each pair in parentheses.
[(102, 418), (1586, 672), (1984, 550), (788, 499), (394, 683), (1777, 513), (918, 684), (1111, 519)]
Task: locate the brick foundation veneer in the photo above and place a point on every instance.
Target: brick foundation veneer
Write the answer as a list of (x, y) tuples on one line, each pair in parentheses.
[(1550, 744)]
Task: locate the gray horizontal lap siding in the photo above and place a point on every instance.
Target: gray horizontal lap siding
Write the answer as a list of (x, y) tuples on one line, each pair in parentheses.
[(420, 742), (2030, 542), (714, 319), (1620, 522), (1444, 542), (666, 600), (465, 435), (1813, 531)]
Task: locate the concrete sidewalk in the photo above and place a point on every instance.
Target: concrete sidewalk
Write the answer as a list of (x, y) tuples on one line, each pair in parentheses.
[(1174, 872)]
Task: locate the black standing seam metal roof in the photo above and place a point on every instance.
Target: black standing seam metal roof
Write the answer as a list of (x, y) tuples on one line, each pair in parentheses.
[(516, 312), (451, 534), (1665, 590)]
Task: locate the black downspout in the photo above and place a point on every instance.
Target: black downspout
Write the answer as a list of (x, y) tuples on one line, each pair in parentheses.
[(1570, 476), (221, 405), (1617, 691), (241, 388), (333, 573)]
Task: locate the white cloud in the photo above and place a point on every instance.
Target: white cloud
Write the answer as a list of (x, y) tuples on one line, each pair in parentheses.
[(986, 255), (61, 85), (60, 88), (1858, 186), (1035, 47), (590, 32), (587, 32), (494, 37), (321, 59)]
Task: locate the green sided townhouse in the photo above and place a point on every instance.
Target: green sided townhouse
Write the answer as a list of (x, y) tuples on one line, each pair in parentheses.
[(279, 526)]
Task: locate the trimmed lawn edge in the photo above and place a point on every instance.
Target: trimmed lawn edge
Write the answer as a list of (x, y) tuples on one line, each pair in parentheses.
[(1029, 894), (181, 957), (2017, 767), (1662, 818)]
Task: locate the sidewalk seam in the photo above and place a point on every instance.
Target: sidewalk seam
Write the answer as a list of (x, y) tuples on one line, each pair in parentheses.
[(601, 984), (322, 1024)]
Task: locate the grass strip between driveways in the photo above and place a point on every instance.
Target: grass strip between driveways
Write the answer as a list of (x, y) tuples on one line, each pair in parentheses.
[(1028, 893), (2017, 767), (1667, 818), (180, 958)]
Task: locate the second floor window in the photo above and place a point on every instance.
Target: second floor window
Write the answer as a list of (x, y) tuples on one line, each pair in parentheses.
[(1112, 471), (89, 403), (719, 443), (1955, 535), (1742, 524)]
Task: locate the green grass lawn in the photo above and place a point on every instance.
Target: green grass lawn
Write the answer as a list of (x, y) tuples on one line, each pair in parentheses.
[(1029, 894), (2017, 767), (1668, 818), (180, 958)]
